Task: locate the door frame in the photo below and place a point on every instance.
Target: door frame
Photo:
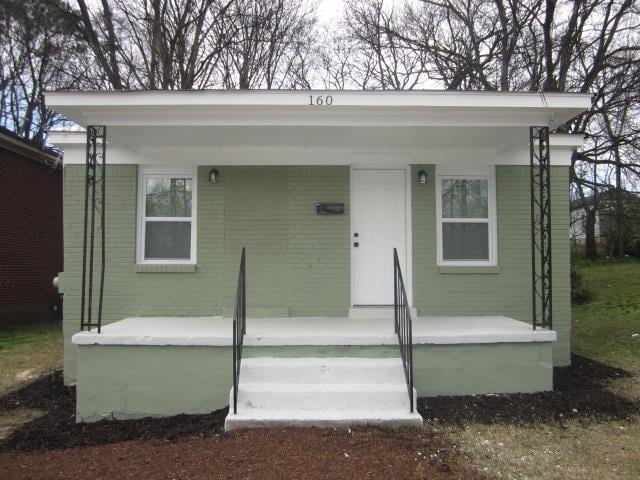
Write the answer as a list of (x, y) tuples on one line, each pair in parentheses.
[(408, 274)]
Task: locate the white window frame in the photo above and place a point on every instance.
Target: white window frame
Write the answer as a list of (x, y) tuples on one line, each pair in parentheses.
[(149, 171), (468, 173)]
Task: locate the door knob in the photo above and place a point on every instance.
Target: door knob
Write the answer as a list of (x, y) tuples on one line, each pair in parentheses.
[(355, 234), (356, 244)]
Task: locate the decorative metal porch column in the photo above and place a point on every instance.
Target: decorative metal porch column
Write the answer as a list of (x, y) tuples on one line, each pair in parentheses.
[(540, 179), (94, 225)]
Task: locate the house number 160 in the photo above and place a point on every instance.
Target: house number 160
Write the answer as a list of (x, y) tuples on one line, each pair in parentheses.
[(320, 100)]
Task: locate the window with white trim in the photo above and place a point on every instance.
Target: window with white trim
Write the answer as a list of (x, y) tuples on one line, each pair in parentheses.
[(466, 220), (167, 211)]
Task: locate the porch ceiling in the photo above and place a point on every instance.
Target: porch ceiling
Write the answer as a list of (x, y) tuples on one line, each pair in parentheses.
[(143, 138)]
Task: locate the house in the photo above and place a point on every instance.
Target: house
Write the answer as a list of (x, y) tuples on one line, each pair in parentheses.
[(312, 257), (30, 229), (603, 208), (579, 220)]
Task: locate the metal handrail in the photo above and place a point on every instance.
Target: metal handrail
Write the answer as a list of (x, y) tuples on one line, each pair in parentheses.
[(239, 329), (403, 325)]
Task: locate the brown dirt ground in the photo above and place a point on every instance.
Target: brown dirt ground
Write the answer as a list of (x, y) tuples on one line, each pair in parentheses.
[(194, 446), (253, 454)]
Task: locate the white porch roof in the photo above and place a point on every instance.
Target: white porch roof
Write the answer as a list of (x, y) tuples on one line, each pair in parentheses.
[(274, 127), (293, 108)]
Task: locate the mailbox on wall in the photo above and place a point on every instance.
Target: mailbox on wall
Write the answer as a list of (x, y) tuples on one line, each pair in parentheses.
[(329, 208)]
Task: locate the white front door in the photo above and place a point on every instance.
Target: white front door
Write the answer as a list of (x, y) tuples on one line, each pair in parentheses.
[(378, 225)]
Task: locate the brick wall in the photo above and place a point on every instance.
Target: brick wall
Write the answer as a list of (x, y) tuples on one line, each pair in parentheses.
[(30, 236), (505, 290), (297, 261)]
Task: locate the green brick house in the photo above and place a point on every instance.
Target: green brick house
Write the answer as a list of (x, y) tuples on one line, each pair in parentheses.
[(321, 323)]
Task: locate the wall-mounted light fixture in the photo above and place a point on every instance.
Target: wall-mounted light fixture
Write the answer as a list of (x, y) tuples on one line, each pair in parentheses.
[(214, 175), (422, 177)]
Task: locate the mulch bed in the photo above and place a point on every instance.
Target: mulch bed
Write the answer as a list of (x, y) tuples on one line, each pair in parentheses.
[(579, 393), (195, 446), (58, 428), (263, 454)]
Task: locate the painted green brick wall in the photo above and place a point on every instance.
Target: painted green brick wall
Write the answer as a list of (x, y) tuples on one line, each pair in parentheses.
[(507, 289), (297, 261)]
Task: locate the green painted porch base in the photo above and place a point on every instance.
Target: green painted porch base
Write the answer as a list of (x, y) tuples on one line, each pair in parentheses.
[(125, 382), (483, 368), (122, 382)]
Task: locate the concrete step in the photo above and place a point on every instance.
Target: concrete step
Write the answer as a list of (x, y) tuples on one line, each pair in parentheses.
[(319, 397), (321, 392), (353, 371), (377, 312), (328, 419)]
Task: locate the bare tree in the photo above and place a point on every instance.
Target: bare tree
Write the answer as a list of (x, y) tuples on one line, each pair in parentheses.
[(34, 47), (591, 46), (153, 44), (147, 44), (270, 45), (461, 40), (186, 44), (342, 62), (369, 52)]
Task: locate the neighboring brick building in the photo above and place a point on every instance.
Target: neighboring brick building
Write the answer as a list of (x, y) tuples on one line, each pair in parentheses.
[(30, 229)]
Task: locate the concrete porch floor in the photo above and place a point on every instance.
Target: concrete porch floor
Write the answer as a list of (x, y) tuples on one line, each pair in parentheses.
[(216, 331)]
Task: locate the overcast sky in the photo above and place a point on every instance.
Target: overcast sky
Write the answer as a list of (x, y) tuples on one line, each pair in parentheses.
[(329, 9)]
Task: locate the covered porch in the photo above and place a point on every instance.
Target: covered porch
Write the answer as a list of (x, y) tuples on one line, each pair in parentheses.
[(298, 182), (176, 184)]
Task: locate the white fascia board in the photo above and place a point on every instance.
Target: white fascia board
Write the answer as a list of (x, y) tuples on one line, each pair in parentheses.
[(74, 154), (293, 108), (67, 138), (560, 156), (411, 98), (566, 140), (250, 156)]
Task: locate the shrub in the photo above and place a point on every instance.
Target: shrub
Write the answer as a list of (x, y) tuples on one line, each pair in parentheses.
[(579, 294)]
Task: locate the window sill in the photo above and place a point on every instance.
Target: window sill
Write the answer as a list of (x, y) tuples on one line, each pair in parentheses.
[(165, 268), (465, 270)]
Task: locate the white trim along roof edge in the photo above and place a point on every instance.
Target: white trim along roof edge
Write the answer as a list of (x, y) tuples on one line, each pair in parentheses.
[(315, 107), (356, 98)]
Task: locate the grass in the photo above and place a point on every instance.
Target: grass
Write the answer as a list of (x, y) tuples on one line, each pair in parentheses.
[(603, 330), (28, 351), (570, 451)]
